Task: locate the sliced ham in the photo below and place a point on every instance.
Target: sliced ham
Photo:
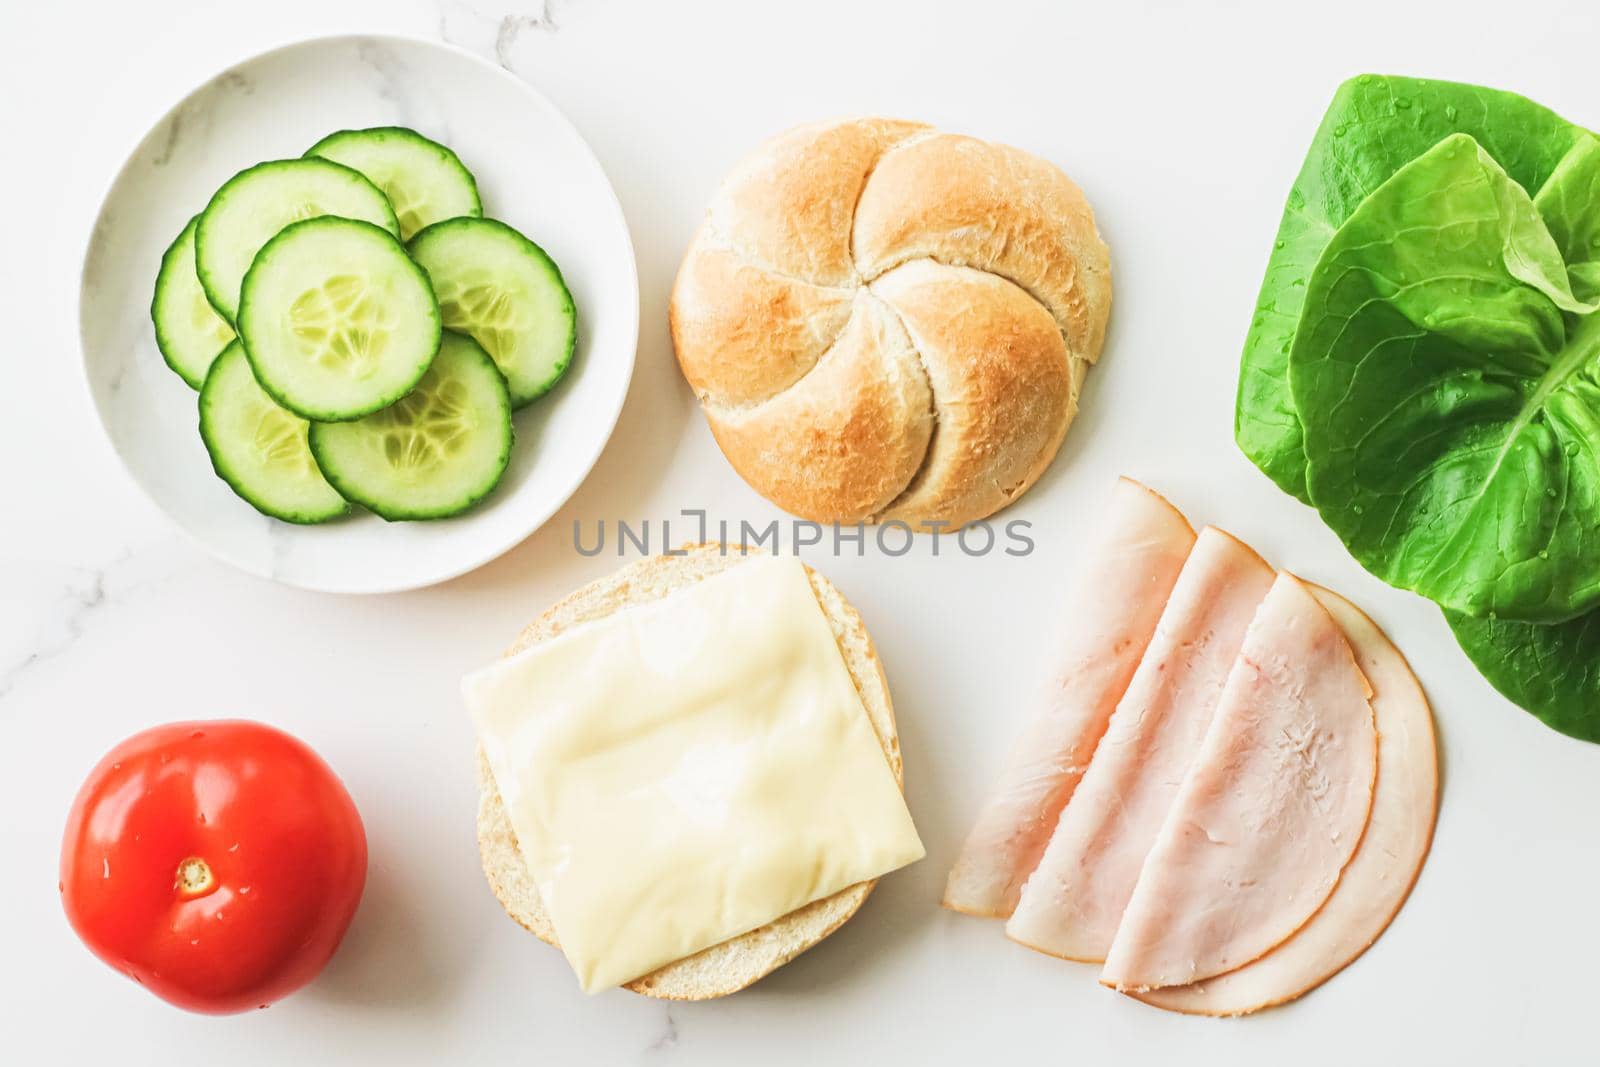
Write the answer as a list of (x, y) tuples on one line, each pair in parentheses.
[(1070, 906), (1125, 582), (1386, 863), (1271, 811)]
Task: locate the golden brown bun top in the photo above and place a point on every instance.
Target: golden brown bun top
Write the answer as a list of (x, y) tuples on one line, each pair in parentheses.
[(885, 321)]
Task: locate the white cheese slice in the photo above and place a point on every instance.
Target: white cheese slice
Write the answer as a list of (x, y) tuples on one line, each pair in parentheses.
[(687, 770)]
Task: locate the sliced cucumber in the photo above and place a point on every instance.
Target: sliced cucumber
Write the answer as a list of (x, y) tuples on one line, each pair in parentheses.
[(424, 181), (259, 449), (500, 287), (253, 205), (336, 319), (189, 331), (433, 454)]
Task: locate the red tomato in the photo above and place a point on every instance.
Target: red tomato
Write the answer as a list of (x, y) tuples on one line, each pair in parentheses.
[(216, 863)]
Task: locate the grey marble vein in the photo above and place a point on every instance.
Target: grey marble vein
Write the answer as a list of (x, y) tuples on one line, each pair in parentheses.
[(50, 607), (171, 132), (81, 593), (390, 70), (396, 85), (194, 114), (94, 261), (667, 1039), (508, 26)]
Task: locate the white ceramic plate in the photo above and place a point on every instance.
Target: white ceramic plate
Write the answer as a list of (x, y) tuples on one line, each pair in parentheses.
[(534, 171)]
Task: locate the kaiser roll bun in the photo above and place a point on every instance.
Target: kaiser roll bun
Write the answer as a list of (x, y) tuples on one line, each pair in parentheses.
[(883, 321)]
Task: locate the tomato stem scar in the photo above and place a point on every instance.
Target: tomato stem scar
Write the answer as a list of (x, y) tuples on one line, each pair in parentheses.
[(195, 878)]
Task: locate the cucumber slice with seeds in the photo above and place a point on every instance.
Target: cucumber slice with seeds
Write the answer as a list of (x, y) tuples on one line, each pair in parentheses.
[(253, 205), (260, 449), (500, 287), (189, 331), (433, 454), (336, 319), (424, 181)]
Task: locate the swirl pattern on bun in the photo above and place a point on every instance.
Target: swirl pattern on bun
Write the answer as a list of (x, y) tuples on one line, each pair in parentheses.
[(886, 322)]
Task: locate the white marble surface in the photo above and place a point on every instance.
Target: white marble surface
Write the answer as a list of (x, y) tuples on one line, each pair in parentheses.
[(1184, 125)]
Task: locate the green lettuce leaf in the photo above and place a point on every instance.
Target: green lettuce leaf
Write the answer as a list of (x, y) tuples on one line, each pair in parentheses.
[(1553, 671), (1568, 204), (1374, 126), (1448, 382)]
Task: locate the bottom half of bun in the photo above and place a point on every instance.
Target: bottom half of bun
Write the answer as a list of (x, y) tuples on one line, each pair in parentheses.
[(740, 961)]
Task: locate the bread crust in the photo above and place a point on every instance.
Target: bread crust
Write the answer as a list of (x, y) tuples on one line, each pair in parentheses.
[(867, 210), (845, 446), (1000, 374), (767, 330), (739, 962), (993, 208), (790, 205)]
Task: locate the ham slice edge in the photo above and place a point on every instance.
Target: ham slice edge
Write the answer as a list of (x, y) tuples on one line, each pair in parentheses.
[(1272, 809), (1122, 588), (1072, 903), (1380, 876)]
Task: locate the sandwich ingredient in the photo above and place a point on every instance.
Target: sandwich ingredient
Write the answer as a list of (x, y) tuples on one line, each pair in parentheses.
[(1374, 126), (261, 449), (1270, 812), (189, 331), (1073, 901), (424, 181), (1024, 221), (743, 960), (1445, 373), (870, 392), (502, 289), (789, 206), (1123, 583), (217, 864), (253, 205), (1284, 840), (815, 317), (1552, 670), (1460, 465), (434, 453), (1386, 863), (974, 393), (1567, 205), (759, 355), (337, 320), (689, 769)]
